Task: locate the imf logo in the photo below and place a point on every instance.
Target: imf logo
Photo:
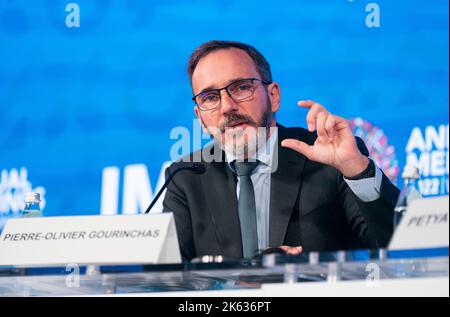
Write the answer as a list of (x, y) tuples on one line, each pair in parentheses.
[(136, 189), (376, 141)]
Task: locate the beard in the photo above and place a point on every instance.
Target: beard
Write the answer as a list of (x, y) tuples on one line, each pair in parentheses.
[(241, 143)]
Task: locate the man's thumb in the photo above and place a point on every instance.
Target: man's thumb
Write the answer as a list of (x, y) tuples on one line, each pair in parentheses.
[(298, 146)]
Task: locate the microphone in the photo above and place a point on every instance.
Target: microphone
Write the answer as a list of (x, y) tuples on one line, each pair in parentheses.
[(196, 168)]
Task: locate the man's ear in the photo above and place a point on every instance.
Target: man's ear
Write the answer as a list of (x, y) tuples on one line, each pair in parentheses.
[(274, 96), (197, 114)]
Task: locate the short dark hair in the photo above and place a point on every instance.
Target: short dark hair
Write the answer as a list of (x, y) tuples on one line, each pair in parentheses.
[(261, 63)]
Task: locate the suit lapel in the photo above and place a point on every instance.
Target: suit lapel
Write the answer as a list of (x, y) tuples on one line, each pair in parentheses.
[(284, 188), (219, 186)]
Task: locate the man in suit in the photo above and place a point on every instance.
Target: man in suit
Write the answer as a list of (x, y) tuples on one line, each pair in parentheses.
[(316, 190)]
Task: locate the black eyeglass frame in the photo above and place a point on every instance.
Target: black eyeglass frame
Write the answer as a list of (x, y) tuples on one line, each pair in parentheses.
[(264, 82)]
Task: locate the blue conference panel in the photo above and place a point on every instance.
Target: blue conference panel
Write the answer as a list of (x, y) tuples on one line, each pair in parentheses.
[(91, 90)]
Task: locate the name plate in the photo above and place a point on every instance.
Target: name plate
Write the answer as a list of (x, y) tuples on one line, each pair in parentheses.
[(424, 226), (124, 239)]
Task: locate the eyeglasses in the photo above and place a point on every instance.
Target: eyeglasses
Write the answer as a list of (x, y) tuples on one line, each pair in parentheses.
[(238, 90)]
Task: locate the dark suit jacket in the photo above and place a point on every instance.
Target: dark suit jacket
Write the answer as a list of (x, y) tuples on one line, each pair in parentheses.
[(310, 206)]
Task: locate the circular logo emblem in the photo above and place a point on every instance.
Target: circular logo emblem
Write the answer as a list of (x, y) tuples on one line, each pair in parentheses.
[(376, 141)]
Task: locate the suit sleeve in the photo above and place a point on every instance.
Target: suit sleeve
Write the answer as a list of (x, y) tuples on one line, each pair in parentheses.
[(371, 221), (175, 201)]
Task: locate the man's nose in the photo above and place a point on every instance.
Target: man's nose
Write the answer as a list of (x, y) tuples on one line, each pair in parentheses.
[(228, 104)]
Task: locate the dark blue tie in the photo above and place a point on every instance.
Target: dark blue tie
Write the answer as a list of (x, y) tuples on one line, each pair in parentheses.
[(247, 208)]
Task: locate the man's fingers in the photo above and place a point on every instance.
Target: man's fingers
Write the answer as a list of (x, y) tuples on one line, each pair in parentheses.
[(298, 146), (330, 126), (295, 251), (321, 130), (292, 250), (311, 117), (285, 248), (306, 103), (314, 109)]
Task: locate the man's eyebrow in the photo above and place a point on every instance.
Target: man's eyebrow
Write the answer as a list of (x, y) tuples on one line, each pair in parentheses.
[(212, 87)]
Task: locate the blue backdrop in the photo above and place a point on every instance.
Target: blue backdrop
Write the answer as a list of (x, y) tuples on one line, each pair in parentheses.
[(86, 112)]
